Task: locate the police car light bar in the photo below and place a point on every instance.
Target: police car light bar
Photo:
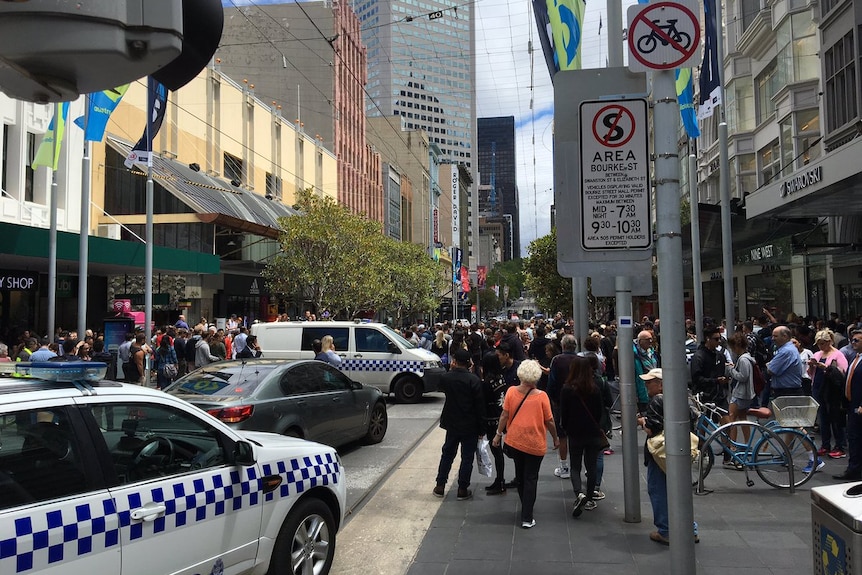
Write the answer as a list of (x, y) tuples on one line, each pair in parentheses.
[(60, 371)]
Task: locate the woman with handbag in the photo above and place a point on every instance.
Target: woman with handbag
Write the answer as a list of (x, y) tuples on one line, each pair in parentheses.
[(526, 420), (581, 409), (494, 392), (828, 367), (166, 362)]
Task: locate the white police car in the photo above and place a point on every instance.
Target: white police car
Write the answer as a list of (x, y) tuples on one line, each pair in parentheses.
[(100, 477)]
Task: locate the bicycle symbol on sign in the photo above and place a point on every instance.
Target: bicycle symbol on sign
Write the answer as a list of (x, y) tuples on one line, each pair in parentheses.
[(649, 42)]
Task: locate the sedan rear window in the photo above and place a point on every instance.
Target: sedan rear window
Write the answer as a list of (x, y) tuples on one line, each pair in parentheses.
[(239, 381)]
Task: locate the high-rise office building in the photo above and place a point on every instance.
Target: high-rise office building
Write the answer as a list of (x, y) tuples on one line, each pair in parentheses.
[(498, 188)]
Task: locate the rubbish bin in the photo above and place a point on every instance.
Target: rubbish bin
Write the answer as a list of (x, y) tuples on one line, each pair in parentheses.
[(836, 524)]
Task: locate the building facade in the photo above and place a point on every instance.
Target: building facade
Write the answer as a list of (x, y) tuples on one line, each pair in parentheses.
[(225, 169), (310, 58)]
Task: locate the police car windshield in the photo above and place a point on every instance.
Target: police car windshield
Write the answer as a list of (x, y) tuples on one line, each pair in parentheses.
[(223, 381), (397, 337)]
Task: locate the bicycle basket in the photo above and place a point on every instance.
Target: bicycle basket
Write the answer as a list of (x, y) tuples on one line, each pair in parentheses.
[(795, 411)]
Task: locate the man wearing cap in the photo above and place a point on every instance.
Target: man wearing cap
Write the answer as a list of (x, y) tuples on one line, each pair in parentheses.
[(653, 423), (463, 418)]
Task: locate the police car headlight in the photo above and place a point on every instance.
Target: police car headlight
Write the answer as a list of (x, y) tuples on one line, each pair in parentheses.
[(430, 364)]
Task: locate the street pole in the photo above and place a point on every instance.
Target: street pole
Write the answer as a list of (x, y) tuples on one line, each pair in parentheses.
[(84, 237), (581, 313), (52, 234), (694, 210), (628, 401), (670, 294), (724, 184)]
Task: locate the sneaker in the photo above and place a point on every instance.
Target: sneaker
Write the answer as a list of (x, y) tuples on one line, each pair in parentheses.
[(731, 464), (598, 495), (511, 484), (589, 505), (528, 524), (837, 453), (562, 472), (438, 491), (823, 451), (812, 467), (464, 494), (608, 451), (497, 489), (578, 507), (659, 538), (495, 486)]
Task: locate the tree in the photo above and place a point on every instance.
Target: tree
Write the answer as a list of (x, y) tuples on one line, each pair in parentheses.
[(509, 273), (341, 262), (553, 292)]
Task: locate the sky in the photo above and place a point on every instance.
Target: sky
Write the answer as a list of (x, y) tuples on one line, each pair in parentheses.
[(505, 74), (510, 81)]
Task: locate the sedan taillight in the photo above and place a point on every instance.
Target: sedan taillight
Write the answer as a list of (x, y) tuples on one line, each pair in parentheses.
[(232, 414)]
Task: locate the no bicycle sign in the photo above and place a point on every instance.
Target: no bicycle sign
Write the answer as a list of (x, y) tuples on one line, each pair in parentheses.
[(663, 35)]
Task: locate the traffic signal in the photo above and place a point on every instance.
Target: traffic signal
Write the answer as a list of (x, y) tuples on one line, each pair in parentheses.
[(54, 51)]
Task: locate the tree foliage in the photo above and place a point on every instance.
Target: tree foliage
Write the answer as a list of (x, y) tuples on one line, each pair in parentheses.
[(341, 262), (509, 273), (552, 291)]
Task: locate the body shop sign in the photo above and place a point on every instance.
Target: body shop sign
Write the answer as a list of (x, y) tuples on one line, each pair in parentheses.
[(16, 280)]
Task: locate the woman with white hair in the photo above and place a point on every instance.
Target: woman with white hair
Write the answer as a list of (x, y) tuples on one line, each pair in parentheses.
[(526, 420)]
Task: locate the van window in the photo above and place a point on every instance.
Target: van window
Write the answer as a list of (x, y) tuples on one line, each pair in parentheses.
[(340, 336), (369, 339)]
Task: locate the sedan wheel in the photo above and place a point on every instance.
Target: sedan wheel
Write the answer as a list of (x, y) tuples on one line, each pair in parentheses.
[(306, 543), (377, 424)]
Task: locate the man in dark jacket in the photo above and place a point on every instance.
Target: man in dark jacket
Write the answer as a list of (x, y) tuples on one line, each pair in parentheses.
[(463, 419), (514, 340), (708, 365)]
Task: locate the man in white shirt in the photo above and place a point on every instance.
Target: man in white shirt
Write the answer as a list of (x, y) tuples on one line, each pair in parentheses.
[(239, 341)]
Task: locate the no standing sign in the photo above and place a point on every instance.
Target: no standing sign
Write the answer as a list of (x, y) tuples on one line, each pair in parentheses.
[(615, 191)]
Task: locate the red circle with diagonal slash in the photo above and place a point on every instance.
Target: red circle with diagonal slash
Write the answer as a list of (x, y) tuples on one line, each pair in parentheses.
[(603, 132), (642, 18)]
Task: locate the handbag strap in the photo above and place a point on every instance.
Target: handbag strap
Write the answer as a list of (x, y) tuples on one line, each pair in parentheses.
[(587, 409), (526, 395)]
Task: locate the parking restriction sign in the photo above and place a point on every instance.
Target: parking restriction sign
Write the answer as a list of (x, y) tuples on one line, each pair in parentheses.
[(615, 186)]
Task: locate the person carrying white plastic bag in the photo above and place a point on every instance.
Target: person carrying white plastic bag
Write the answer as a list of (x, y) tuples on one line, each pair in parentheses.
[(484, 459)]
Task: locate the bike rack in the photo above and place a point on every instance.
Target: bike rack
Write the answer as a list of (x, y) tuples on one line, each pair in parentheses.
[(719, 432)]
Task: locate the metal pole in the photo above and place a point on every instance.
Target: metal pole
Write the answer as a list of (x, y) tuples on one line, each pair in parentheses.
[(581, 314), (615, 33), (697, 285), (52, 235), (628, 401), (724, 182), (84, 237), (669, 255)]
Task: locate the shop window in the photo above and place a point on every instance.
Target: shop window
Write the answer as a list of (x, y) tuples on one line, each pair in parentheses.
[(769, 159), (766, 84), (840, 76), (233, 167)]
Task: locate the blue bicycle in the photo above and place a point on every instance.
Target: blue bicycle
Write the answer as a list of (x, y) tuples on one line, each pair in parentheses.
[(779, 450)]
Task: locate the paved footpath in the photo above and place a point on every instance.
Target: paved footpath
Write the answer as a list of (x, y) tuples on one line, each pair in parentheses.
[(404, 530)]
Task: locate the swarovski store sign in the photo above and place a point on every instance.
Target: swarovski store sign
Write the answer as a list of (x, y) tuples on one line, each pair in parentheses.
[(801, 181)]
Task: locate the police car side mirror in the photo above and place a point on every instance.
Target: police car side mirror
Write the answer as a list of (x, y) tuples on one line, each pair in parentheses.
[(393, 348), (243, 454)]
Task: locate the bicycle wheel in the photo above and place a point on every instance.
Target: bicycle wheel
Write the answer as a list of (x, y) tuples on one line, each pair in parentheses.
[(708, 461), (683, 39), (647, 44), (772, 464)]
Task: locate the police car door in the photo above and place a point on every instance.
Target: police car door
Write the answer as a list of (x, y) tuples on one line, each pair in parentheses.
[(56, 516), (372, 363), (182, 507)]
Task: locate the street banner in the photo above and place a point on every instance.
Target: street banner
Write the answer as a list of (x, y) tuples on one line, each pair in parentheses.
[(157, 100), (710, 89), (481, 276), (567, 17), (48, 153), (465, 279), (100, 106)]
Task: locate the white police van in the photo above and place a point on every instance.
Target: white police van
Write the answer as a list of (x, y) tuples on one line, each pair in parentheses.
[(371, 353), (102, 477)]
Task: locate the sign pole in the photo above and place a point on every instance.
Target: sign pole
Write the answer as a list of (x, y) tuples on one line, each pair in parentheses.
[(670, 295)]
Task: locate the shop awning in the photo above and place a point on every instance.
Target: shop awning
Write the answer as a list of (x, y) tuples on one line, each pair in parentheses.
[(26, 247), (215, 200), (744, 233)]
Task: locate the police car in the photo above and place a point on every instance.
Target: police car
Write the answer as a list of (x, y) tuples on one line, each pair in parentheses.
[(102, 477)]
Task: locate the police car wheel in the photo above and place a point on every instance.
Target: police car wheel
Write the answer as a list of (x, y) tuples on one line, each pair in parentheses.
[(306, 543), (377, 424), (408, 389)]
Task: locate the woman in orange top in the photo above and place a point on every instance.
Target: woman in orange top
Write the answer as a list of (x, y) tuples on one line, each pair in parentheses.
[(526, 420)]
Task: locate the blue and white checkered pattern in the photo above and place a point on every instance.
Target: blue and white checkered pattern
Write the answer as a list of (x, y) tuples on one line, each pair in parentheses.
[(385, 365), (62, 532)]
